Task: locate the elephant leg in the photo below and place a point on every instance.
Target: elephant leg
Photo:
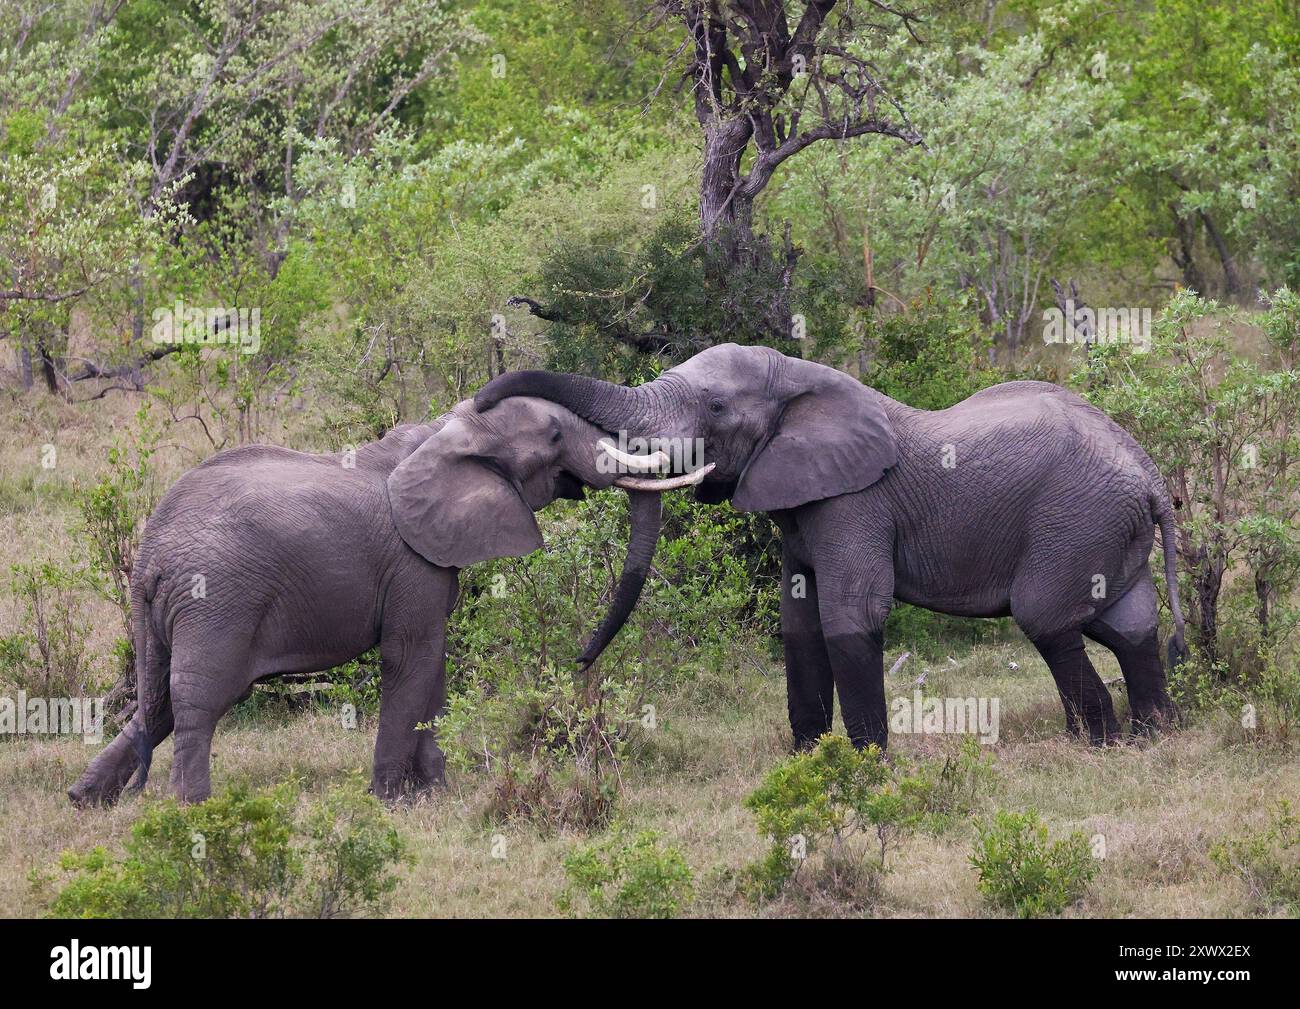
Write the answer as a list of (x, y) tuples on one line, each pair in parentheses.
[(809, 679), (1128, 627), (411, 677), (853, 610), (430, 769), (1088, 707), (412, 650), (112, 769), (204, 686)]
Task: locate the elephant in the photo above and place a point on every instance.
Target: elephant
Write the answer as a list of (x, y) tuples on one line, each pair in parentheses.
[(263, 561), (1022, 500)]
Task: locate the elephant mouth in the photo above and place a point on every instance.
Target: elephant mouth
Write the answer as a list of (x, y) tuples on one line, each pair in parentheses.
[(715, 491), (569, 486)]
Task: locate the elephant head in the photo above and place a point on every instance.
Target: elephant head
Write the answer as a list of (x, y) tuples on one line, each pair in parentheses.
[(468, 492), (777, 431)]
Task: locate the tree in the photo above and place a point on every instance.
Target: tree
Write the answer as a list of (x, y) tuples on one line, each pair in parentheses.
[(767, 82), (68, 223), (1225, 432)]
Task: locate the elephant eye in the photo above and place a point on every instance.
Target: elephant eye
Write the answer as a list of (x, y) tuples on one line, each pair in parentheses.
[(555, 436), (716, 406)]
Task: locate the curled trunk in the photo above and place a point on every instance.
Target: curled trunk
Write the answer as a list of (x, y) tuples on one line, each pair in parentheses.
[(612, 407), (645, 512)]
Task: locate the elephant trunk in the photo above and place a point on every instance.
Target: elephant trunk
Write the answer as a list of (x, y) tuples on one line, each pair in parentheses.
[(611, 407), (644, 507)]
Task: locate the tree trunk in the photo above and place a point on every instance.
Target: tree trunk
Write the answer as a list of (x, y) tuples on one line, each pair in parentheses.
[(1208, 580), (1263, 597), (724, 207), (1231, 280), (48, 369), (1185, 257)]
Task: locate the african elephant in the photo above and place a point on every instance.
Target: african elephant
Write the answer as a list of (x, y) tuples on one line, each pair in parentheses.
[(1022, 500), (263, 561)]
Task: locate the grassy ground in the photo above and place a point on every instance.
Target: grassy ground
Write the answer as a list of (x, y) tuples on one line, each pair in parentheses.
[(1158, 805)]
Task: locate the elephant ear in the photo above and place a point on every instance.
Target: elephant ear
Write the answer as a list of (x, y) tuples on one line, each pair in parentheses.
[(454, 506), (832, 438)]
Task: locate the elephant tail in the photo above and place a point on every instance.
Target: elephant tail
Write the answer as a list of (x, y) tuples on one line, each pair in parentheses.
[(151, 676), (1164, 516)]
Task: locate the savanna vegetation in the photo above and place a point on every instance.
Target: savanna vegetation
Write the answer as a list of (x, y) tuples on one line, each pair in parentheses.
[(306, 221)]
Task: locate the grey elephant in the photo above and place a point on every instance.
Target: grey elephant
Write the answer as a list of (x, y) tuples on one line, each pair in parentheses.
[(263, 561), (1022, 500)]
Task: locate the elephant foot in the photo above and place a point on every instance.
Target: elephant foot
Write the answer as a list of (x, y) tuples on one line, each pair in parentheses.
[(1152, 720), (406, 790), (89, 792), (1097, 729)]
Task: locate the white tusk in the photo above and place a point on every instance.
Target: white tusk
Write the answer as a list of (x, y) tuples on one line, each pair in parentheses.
[(672, 483), (635, 463)]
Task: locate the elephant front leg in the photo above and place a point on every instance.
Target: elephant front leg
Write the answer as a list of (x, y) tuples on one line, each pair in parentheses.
[(412, 674), (808, 677), (858, 660), (430, 769), (853, 624)]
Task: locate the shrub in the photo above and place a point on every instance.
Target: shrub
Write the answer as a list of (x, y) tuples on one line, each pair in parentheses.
[(1267, 861), (956, 783), (930, 356), (551, 739), (242, 854), (49, 659), (1021, 871), (828, 795), (617, 878)]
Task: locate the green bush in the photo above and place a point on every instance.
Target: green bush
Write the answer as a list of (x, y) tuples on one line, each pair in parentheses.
[(1021, 871), (616, 878), (550, 739), (49, 659), (930, 356), (1267, 861), (242, 854), (828, 795)]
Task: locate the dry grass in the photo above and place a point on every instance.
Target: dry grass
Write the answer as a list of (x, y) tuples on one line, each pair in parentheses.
[(1159, 805)]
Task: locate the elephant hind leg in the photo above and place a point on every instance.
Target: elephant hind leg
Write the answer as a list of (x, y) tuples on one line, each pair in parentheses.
[(1128, 627), (1088, 707), (111, 770), (204, 686)]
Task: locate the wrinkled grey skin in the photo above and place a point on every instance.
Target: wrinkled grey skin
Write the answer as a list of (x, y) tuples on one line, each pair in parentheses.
[(1023, 500), (264, 561)]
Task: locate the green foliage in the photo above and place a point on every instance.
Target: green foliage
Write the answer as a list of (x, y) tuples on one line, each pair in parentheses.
[(242, 854), (956, 785), (113, 512), (1225, 432), (931, 356), (1021, 871), (551, 740), (674, 295), (1267, 861), (826, 795), (49, 657), (619, 878)]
